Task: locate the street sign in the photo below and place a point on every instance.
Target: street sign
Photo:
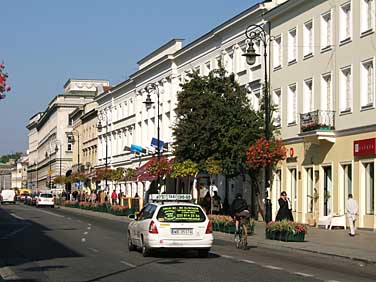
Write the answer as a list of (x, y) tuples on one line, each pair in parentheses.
[(154, 143), (136, 148), (170, 197)]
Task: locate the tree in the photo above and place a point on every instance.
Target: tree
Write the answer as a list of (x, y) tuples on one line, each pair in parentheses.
[(186, 168), (259, 155), (215, 120), (3, 82)]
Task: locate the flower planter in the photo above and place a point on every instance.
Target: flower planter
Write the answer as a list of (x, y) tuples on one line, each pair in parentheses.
[(285, 236)]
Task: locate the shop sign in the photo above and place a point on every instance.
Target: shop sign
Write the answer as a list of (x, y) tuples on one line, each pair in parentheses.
[(365, 147), (292, 158)]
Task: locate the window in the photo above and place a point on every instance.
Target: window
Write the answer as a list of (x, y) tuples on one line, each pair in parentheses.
[(293, 188), (308, 39), (255, 100), (207, 68), (291, 98), (198, 69), (291, 55), (370, 187), (326, 92), (345, 22), (69, 147), (277, 101), (345, 98), (310, 188), (367, 19), (308, 96), (277, 52), (367, 88), (326, 30)]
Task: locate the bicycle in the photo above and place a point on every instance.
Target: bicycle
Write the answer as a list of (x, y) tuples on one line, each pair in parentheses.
[(240, 239)]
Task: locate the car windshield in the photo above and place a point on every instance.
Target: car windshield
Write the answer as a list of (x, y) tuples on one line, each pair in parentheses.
[(180, 213), (46, 195)]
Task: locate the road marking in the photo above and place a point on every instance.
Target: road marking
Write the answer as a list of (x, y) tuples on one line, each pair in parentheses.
[(127, 264), (94, 250), (304, 274), (69, 218), (89, 224), (11, 234), (16, 216), (85, 233), (7, 274), (83, 240), (89, 228), (248, 261), (226, 256), (273, 267), (51, 213)]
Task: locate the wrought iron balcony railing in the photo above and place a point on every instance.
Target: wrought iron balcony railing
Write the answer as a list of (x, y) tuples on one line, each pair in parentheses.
[(317, 120)]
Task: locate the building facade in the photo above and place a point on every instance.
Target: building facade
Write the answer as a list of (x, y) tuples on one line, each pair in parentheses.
[(50, 132), (323, 82)]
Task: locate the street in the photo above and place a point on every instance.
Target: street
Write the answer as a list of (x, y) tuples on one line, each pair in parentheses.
[(64, 245)]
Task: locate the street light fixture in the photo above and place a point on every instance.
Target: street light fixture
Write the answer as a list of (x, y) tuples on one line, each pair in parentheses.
[(153, 88), (57, 148), (257, 33), (104, 117)]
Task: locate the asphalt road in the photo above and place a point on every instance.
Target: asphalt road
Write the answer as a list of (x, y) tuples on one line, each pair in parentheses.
[(63, 245)]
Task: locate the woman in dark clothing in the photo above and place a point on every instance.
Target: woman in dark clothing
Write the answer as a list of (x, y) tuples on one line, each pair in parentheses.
[(284, 211)]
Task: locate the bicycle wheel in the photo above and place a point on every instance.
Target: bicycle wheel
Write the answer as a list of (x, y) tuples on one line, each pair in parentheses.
[(237, 240), (243, 243)]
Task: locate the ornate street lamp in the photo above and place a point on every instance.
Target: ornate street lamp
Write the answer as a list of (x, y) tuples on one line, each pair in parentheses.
[(257, 33), (153, 88)]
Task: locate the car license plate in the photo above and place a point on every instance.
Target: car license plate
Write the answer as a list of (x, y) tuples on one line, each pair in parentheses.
[(182, 231)]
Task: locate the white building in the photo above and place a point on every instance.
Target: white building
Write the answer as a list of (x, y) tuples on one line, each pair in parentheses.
[(50, 136)]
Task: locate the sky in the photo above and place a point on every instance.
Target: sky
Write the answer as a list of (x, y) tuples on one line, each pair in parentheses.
[(43, 43)]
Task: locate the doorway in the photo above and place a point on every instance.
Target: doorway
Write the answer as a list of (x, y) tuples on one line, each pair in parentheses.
[(327, 190)]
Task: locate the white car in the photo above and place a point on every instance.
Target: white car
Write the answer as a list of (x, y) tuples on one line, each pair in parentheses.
[(170, 225), (45, 199), (8, 196)]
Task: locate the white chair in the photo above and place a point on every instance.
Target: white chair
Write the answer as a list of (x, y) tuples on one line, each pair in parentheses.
[(338, 220), (325, 220)]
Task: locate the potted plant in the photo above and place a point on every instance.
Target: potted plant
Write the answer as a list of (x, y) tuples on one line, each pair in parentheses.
[(284, 230), (314, 199)]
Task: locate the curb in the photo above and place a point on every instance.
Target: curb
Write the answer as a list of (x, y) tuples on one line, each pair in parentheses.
[(266, 245)]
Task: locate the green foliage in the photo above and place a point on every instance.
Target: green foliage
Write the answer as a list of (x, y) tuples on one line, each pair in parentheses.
[(183, 169), (215, 120), (212, 166), (117, 174), (6, 158), (59, 179), (130, 173)]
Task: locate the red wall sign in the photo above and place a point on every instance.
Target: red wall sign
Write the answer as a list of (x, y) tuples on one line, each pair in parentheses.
[(365, 147)]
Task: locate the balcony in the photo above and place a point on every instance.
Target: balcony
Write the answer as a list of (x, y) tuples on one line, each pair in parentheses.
[(318, 125)]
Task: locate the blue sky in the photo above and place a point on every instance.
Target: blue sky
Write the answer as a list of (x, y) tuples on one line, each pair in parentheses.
[(44, 43)]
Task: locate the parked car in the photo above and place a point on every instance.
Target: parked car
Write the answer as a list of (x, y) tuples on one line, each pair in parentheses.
[(45, 199), (8, 196), (31, 199), (173, 225), (23, 196)]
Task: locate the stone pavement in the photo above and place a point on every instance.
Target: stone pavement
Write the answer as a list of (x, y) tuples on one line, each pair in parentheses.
[(335, 242)]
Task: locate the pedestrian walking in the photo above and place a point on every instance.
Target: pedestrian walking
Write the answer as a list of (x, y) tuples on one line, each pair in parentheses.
[(285, 210), (217, 203), (352, 212), (93, 197), (113, 197)]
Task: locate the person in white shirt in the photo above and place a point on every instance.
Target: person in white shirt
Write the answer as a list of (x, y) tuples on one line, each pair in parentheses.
[(352, 212)]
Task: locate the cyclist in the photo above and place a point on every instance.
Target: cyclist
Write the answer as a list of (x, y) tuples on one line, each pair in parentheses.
[(240, 213)]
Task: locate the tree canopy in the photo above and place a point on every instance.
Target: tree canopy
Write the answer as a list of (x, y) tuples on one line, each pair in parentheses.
[(215, 120)]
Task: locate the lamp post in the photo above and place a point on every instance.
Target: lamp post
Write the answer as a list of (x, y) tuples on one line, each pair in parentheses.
[(57, 149), (48, 155), (153, 88), (257, 33), (78, 148), (104, 117)]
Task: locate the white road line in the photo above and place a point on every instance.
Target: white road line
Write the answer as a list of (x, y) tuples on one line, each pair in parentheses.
[(7, 274), (127, 264), (89, 228), (304, 274), (226, 256), (11, 234), (248, 261), (94, 250), (69, 218), (50, 213), (273, 267), (16, 216), (85, 233), (83, 240)]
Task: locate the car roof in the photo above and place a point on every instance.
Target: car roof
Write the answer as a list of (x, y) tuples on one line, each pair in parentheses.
[(159, 204)]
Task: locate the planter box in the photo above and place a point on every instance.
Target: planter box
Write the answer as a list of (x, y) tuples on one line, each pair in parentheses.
[(230, 227), (284, 236)]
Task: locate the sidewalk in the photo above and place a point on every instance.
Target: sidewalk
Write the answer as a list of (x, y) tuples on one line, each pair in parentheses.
[(334, 242)]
